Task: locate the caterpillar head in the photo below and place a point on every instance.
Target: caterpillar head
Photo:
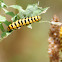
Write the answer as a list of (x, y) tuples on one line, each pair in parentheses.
[(39, 17)]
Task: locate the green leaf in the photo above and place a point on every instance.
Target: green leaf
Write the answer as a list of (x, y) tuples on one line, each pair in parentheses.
[(43, 10), (0, 6), (33, 10), (7, 23), (16, 17), (29, 26), (3, 4), (5, 34), (1, 27), (1, 0), (17, 7), (2, 19), (9, 13)]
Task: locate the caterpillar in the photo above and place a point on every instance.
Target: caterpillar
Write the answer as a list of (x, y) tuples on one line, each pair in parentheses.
[(23, 22), (60, 35)]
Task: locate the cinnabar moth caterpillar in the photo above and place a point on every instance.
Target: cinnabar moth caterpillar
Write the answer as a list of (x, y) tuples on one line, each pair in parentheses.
[(60, 35), (23, 22)]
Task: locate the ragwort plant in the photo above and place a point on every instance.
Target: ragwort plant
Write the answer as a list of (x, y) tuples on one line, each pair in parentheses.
[(30, 11)]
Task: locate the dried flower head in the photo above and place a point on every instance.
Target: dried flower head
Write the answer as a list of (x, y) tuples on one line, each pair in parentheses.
[(54, 41)]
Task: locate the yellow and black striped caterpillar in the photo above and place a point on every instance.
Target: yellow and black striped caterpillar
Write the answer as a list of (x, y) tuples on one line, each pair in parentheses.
[(60, 35), (23, 22)]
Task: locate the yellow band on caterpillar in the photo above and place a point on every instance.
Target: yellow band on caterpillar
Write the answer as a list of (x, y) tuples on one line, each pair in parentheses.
[(23, 22)]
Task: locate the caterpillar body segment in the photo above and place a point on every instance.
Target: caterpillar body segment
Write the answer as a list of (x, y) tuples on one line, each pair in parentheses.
[(23, 22), (60, 32), (20, 22)]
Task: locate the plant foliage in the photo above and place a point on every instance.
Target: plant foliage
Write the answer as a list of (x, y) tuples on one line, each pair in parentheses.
[(31, 10)]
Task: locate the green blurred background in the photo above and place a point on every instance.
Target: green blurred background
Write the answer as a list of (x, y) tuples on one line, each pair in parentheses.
[(26, 45)]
